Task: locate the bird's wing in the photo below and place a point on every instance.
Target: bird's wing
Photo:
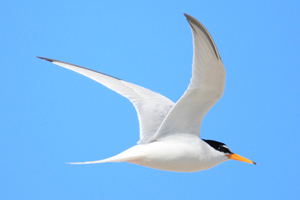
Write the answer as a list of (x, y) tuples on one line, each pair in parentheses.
[(151, 107), (205, 89)]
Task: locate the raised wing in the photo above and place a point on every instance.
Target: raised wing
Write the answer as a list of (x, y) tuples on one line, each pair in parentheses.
[(151, 107), (205, 89)]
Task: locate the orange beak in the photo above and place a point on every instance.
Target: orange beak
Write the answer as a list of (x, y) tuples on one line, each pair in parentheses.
[(240, 158)]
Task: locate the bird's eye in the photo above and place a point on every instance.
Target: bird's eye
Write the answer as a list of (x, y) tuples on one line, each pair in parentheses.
[(224, 149)]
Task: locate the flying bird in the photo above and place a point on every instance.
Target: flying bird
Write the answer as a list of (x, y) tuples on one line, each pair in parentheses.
[(170, 132)]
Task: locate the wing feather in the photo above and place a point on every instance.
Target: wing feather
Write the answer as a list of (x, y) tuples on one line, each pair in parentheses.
[(151, 107), (205, 89)]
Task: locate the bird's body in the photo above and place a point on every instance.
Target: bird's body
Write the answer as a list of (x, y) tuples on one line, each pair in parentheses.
[(178, 152), (169, 132)]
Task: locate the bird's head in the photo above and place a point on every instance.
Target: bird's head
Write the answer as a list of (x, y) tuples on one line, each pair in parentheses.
[(219, 146)]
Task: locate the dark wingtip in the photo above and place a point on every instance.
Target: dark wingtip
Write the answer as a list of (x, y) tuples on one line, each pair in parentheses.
[(254, 163), (48, 59), (186, 15), (190, 18)]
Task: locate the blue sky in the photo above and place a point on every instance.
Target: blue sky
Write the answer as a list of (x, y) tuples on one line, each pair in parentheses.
[(50, 115)]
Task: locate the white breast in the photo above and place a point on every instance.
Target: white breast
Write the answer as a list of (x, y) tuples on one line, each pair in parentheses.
[(178, 152)]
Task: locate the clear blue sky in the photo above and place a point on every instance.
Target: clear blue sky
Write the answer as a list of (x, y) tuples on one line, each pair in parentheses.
[(50, 115)]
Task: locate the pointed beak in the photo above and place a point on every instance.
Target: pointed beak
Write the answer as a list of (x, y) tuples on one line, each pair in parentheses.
[(239, 158)]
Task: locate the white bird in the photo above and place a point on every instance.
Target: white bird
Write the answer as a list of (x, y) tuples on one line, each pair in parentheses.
[(170, 132)]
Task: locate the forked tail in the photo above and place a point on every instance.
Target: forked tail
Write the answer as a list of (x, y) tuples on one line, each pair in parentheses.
[(111, 159), (126, 156)]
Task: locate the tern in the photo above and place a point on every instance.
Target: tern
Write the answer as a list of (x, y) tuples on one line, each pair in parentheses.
[(170, 132)]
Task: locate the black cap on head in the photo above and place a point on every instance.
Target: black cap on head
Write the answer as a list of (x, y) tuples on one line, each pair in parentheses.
[(219, 146)]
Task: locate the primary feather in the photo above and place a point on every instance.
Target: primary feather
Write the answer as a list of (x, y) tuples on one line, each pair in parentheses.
[(205, 89), (151, 107)]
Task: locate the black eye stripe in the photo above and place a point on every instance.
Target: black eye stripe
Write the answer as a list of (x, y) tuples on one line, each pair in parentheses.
[(218, 146)]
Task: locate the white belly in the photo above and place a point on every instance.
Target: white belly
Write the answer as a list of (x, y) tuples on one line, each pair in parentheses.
[(176, 153)]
